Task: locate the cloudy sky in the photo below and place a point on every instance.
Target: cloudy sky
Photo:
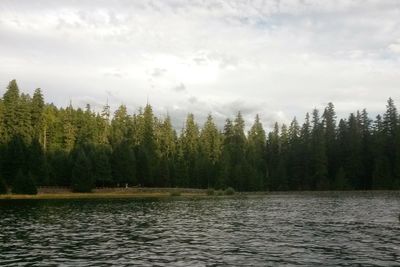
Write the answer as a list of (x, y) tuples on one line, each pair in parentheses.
[(276, 58)]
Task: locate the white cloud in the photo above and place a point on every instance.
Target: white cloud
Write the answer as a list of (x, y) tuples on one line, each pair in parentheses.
[(395, 47), (275, 58)]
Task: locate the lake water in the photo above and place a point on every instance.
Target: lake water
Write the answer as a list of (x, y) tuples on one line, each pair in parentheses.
[(329, 229)]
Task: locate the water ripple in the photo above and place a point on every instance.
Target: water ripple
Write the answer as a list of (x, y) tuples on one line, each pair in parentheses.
[(330, 229)]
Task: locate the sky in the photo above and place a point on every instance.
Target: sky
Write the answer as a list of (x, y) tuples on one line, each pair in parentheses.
[(275, 58)]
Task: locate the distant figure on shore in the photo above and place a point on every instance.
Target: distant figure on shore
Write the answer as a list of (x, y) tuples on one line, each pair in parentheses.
[(126, 186)]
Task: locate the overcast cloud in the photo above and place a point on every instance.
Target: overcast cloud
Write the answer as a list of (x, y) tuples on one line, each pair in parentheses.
[(276, 58)]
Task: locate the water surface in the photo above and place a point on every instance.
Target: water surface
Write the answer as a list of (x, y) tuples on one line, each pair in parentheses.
[(330, 229)]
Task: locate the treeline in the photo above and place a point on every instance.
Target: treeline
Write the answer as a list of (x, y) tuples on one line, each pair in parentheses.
[(43, 145)]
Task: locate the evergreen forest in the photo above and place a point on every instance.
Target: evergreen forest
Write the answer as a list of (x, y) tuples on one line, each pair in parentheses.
[(45, 145)]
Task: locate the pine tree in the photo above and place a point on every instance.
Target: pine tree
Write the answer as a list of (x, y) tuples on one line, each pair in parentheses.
[(391, 129), (52, 125), (381, 176), (295, 155), (60, 166), (225, 170), (210, 152), (190, 142), (319, 159), (367, 150), (273, 155), (163, 173), (104, 125), (2, 131), (81, 179), (15, 159), (3, 186), (238, 159), (166, 145), (329, 124), (16, 114), (102, 172), (282, 171), (37, 163), (256, 154), (396, 161), (69, 129), (147, 156), (210, 140), (24, 128), (123, 164), (23, 184), (390, 118), (119, 126), (10, 115), (86, 126), (353, 159), (148, 135), (37, 115), (341, 182), (257, 136), (181, 165)]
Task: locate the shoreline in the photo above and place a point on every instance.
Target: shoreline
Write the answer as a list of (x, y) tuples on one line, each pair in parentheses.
[(96, 196), (168, 193), (107, 193)]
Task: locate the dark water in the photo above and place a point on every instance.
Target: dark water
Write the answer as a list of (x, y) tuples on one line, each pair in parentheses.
[(329, 229)]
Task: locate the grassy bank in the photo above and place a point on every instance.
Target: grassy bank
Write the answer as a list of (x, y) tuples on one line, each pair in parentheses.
[(118, 192), (70, 195), (109, 192)]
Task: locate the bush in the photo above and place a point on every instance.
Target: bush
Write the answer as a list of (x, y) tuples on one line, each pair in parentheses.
[(24, 184), (210, 192), (220, 193), (229, 191), (3, 187), (175, 193)]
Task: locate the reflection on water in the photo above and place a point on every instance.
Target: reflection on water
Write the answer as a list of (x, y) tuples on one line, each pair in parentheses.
[(281, 229)]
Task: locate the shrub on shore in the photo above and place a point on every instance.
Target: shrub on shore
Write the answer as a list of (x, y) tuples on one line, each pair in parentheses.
[(210, 192), (229, 191), (220, 193)]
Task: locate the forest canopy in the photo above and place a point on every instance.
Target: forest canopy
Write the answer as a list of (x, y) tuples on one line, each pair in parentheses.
[(45, 145)]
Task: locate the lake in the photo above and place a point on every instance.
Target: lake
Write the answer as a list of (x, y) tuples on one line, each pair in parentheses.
[(330, 229)]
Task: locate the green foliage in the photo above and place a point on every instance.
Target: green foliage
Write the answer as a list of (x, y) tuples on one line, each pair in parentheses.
[(59, 168), (341, 181), (229, 191), (3, 186), (144, 167), (81, 148), (37, 115), (119, 126), (24, 184), (37, 163), (10, 111), (123, 165), (81, 179), (381, 176), (210, 191), (16, 153), (220, 193), (102, 172)]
